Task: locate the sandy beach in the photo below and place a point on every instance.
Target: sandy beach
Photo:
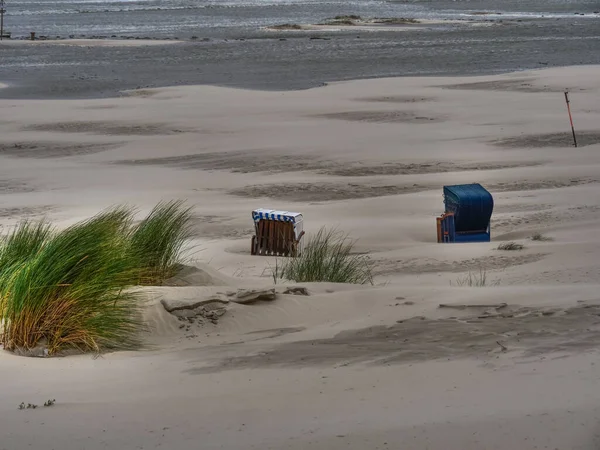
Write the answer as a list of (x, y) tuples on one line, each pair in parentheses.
[(512, 365)]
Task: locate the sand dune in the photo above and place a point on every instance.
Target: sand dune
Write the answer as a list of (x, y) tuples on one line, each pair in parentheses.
[(512, 365)]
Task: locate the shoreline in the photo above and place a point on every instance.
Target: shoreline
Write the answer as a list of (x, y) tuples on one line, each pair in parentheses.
[(128, 92), (289, 61)]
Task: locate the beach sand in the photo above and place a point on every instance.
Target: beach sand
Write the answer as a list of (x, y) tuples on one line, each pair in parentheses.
[(346, 367)]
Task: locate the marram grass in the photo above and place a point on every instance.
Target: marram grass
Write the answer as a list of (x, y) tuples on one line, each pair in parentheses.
[(158, 241), (76, 288), (328, 256), (23, 242)]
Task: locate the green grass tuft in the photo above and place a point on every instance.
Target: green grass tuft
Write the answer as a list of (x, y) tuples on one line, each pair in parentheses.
[(328, 256), (511, 246), (24, 241), (159, 239), (75, 291), (75, 288)]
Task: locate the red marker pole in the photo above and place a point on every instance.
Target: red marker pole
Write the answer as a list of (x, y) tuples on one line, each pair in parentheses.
[(570, 117)]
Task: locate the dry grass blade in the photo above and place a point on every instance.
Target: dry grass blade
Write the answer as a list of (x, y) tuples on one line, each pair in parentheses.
[(476, 279)]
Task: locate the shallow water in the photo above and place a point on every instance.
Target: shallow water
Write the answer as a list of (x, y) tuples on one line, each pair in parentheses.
[(225, 42)]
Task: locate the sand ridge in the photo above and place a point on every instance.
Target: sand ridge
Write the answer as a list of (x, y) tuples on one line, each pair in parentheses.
[(108, 128), (251, 161)]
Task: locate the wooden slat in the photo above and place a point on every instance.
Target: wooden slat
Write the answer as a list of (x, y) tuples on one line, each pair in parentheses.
[(272, 230), (263, 240), (266, 238), (283, 232), (271, 233), (283, 239), (277, 239), (289, 239), (258, 234), (274, 238)]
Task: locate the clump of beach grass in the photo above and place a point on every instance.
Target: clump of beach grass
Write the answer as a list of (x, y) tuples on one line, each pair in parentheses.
[(24, 241), (541, 237), (475, 279), (328, 256), (509, 246), (75, 288), (158, 241), (74, 292)]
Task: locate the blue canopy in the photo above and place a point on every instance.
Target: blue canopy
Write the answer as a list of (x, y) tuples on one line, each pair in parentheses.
[(471, 204)]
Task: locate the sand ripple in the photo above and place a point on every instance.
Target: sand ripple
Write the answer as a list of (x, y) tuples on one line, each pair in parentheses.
[(584, 138), (415, 266), (383, 117), (528, 331), (52, 149), (316, 192), (106, 128)]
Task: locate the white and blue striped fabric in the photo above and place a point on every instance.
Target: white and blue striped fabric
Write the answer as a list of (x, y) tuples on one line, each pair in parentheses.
[(281, 216)]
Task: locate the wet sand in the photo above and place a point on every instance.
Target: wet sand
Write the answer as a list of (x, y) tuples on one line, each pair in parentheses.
[(254, 58)]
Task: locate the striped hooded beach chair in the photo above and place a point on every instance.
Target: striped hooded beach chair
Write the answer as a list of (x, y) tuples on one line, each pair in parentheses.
[(278, 233)]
